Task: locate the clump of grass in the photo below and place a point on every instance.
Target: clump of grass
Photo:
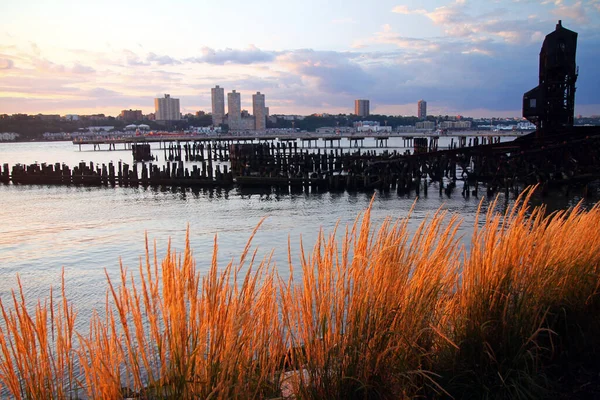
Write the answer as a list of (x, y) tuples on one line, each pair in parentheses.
[(366, 317), (37, 347), (526, 274), (377, 314), (175, 335)]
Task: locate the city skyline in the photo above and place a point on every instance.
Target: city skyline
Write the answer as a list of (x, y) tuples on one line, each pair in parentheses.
[(470, 58)]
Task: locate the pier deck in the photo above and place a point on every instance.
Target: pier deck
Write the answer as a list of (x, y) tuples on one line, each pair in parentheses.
[(331, 139)]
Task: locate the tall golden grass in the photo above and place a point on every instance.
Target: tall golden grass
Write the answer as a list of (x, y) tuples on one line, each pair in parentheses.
[(377, 314)]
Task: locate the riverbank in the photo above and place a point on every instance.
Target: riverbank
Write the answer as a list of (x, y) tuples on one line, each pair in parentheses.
[(376, 314)]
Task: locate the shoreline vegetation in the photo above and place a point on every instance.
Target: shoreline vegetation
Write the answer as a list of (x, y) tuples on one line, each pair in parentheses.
[(375, 314)]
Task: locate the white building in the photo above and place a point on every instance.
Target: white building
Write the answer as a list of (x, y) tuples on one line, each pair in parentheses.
[(56, 135), (208, 130), (8, 136), (104, 128), (373, 128), (526, 126), (167, 109)]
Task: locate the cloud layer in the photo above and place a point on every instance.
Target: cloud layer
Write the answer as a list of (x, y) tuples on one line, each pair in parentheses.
[(477, 60)]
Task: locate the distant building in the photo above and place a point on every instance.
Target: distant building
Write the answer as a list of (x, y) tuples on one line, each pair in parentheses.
[(72, 117), (48, 117), (455, 124), (56, 136), (430, 125), (361, 108), (291, 117), (234, 110), (95, 117), (371, 126), (8, 136), (218, 105), (525, 126), (247, 123), (167, 109), (105, 128), (422, 109), (131, 115), (259, 111)]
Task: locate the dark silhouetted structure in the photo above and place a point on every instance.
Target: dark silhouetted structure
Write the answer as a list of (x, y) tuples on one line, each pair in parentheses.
[(551, 105)]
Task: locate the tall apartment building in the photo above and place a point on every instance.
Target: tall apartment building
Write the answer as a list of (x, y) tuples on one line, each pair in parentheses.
[(422, 109), (131, 115), (218, 105), (234, 110), (361, 108), (260, 112), (167, 109)]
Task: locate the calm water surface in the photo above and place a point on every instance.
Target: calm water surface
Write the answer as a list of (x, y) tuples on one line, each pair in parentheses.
[(89, 230)]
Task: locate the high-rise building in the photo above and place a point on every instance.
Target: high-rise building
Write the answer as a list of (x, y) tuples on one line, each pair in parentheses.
[(234, 110), (167, 109), (218, 105), (422, 109), (259, 111), (131, 115), (361, 108)]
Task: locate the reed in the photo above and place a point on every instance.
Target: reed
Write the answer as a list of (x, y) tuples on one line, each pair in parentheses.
[(37, 347), (385, 313), (526, 275), (365, 318)]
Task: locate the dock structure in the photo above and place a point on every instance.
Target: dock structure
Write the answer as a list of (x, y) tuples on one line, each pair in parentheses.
[(564, 159), (307, 139)]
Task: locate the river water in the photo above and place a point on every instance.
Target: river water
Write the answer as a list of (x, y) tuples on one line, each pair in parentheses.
[(89, 230)]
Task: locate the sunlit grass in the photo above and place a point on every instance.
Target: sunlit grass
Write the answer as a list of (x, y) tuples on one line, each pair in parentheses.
[(385, 313)]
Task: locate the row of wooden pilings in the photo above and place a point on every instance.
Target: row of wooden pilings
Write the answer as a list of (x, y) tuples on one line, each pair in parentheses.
[(219, 151), (333, 171), (259, 165), (171, 174), (197, 151)]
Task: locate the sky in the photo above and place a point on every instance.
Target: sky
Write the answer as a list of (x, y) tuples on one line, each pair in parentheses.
[(465, 57)]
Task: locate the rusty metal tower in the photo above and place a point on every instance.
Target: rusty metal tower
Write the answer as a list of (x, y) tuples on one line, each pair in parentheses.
[(551, 105)]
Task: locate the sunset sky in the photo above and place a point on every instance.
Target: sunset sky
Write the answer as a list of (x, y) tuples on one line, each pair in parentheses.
[(464, 57)]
